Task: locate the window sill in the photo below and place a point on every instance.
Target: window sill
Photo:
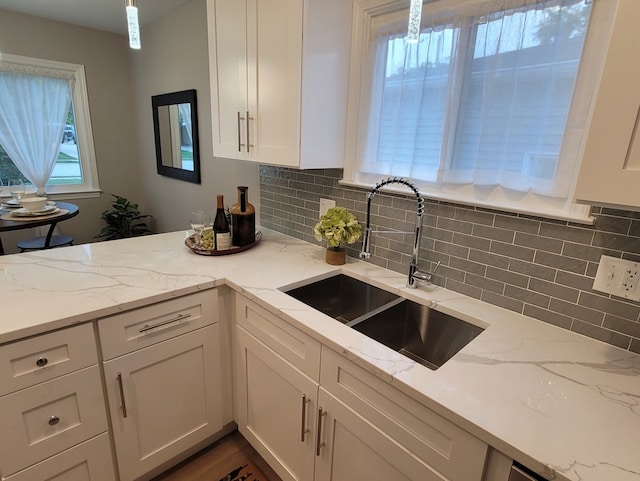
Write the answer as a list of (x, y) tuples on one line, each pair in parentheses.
[(579, 215)]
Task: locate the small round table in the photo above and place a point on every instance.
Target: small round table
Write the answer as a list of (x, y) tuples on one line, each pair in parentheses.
[(51, 221)]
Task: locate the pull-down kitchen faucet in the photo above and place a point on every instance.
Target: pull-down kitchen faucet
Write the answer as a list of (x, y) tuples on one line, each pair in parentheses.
[(415, 274)]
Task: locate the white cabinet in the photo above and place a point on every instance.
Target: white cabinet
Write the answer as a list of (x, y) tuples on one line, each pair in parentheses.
[(350, 425), (163, 378), (279, 80), (372, 429), (275, 401), (610, 170), (52, 408)]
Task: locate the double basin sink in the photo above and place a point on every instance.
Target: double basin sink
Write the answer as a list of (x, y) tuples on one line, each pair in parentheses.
[(427, 336)]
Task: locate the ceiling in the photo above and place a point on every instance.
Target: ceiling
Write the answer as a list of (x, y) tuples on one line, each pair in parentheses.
[(106, 15)]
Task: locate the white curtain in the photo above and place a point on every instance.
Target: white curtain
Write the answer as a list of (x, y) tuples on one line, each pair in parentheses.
[(33, 114), (482, 99)]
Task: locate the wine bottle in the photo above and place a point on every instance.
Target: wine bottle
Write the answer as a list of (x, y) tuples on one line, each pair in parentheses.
[(243, 219), (221, 231)]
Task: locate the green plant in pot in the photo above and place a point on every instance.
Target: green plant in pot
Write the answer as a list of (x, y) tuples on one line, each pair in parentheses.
[(123, 220), (338, 226)]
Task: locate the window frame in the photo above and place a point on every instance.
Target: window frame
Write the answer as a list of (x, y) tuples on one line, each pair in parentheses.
[(90, 187), (367, 12)]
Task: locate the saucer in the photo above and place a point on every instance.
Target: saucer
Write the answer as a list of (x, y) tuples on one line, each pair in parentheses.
[(10, 204), (22, 212)]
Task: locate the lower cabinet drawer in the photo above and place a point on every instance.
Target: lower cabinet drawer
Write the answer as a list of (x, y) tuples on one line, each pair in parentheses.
[(50, 417), (88, 461), (38, 359)]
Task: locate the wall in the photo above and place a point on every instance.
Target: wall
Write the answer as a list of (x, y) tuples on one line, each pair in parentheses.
[(539, 267), (174, 57), (106, 60)]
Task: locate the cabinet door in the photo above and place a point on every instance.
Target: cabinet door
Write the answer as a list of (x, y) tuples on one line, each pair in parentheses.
[(350, 447), (610, 170), (275, 405), (164, 399), (228, 50), (274, 69), (89, 461)]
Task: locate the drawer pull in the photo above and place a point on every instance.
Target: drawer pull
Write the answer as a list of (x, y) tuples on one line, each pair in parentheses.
[(181, 317), (319, 444), (303, 424), (53, 420), (122, 403), (42, 361)]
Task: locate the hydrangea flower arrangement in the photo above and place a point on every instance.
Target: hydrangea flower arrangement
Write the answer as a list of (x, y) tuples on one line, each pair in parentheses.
[(338, 226)]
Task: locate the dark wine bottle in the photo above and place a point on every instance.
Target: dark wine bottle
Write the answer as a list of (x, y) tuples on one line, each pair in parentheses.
[(221, 231), (243, 219)]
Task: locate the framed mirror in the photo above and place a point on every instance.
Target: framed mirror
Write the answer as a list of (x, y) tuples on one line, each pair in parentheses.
[(175, 125)]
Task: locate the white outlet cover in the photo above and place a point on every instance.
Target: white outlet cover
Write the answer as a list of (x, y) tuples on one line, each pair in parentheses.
[(612, 276), (325, 205)]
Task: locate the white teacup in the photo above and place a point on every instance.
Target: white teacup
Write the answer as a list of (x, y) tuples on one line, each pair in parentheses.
[(33, 203)]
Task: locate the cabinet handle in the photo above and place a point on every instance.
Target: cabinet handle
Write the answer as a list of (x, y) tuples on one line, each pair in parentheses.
[(42, 361), (122, 403), (240, 144), (303, 424), (53, 420), (248, 143), (319, 444), (164, 323)]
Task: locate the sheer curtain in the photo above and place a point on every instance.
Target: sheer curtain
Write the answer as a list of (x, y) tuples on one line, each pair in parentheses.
[(481, 100), (33, 114)]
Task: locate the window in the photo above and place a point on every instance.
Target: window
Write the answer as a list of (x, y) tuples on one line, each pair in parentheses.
[(74, 166), (487, 108)]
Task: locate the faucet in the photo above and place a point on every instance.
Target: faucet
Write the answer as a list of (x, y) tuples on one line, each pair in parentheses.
[(415, 274)]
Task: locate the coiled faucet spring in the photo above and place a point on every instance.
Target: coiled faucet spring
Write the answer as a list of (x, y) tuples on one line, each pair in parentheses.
[(415, 274)]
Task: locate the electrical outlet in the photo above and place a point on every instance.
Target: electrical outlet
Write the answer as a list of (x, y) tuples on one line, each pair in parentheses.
[(618, 277), (325, 205)]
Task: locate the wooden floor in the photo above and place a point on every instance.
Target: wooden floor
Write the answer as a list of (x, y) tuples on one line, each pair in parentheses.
[(216, 461)]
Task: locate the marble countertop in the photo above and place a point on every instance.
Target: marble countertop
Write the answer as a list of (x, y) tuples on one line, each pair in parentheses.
[(565, 405)]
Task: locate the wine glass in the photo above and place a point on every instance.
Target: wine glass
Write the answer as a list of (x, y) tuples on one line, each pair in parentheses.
[(198, 223), (16, 189)]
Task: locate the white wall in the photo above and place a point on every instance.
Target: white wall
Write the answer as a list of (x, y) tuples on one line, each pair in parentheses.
[(174, 57)]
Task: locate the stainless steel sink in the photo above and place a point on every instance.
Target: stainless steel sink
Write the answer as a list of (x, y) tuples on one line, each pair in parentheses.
[(421, 333), (342, 297)]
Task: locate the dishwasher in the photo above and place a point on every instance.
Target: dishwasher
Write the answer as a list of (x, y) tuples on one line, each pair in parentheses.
[(520, 473)]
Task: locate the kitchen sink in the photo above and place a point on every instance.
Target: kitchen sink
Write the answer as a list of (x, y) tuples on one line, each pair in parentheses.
[(427, 336), (423, 334), (342, 297)]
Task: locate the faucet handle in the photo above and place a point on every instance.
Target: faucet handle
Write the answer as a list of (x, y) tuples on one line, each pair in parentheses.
[(425, 276)]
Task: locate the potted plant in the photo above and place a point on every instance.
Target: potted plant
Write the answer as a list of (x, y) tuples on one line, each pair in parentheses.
[(122, 220), (338, 226)]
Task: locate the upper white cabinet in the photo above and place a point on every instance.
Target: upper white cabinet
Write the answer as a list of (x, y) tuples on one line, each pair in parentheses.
[(279, 79), (610, 171)]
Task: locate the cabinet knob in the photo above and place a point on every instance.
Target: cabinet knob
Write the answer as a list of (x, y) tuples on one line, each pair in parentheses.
[(53, 420), (42, 361)]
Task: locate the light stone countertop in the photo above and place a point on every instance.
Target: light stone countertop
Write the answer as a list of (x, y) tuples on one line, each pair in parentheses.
[(564, 405)]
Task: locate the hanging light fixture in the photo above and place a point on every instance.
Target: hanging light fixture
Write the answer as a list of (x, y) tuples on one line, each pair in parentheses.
[(132, 24), (415, 17)]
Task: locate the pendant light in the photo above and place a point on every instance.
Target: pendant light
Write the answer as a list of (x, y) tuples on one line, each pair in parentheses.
[(132, 24), (415, 17)]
